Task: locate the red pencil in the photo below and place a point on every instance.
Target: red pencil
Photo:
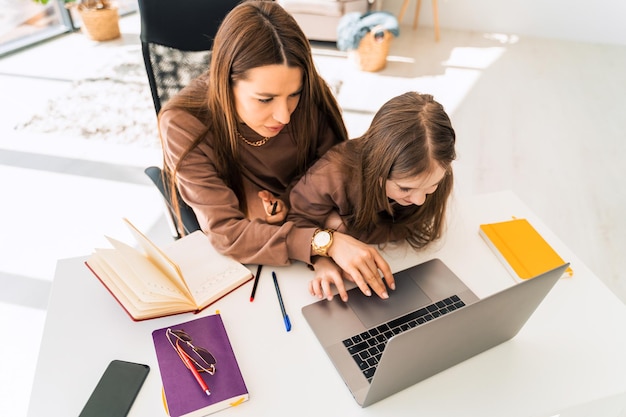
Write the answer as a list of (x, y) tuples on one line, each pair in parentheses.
[(256, 282), (193, 370)]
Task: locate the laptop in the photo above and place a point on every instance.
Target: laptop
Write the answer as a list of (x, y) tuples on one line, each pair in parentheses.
[(431, 322)]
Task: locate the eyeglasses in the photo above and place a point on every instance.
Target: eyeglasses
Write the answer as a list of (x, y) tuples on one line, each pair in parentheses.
[(203, 360)]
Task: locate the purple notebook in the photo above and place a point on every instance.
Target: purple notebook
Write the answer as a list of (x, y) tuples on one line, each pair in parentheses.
[(206, 344)]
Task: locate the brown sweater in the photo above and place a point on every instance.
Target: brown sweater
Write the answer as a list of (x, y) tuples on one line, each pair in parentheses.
[(326, 195), (269, 167)]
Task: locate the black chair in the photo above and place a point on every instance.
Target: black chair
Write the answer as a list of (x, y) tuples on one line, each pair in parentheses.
[(188, 218), (176, 42)]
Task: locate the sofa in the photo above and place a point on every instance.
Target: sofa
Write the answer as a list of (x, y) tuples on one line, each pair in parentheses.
[(319, 18)]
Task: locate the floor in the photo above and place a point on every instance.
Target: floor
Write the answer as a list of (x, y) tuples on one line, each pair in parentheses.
[(541, 117)]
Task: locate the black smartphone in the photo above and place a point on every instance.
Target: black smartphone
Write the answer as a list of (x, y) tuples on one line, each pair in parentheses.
[(117, 389)]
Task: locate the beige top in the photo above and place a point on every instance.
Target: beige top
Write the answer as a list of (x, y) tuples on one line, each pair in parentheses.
[(268, 167)]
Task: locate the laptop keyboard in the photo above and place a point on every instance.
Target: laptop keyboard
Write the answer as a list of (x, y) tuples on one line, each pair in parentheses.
[(366, 348)]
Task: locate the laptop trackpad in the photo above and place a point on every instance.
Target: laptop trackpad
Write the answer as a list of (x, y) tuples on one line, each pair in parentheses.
[(373, 310)]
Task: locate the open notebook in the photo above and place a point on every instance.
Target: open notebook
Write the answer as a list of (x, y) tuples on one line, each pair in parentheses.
[(150, 282)]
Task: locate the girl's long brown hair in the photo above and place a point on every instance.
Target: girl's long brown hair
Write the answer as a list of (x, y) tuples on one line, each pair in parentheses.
[(407, 137), (255, 34)]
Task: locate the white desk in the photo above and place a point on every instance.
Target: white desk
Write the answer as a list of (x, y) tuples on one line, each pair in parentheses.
[(571, 351)]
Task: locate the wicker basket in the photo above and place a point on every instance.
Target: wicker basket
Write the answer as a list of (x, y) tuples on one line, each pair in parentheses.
[(100, 24), (373, 50)]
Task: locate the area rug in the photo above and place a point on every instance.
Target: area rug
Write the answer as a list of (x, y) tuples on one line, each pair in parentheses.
[(114, 105)]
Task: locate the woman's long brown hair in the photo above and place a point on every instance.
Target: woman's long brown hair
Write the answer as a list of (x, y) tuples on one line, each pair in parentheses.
[(256, 34)]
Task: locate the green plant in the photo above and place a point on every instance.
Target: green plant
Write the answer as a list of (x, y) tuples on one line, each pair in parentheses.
[(85, 4)]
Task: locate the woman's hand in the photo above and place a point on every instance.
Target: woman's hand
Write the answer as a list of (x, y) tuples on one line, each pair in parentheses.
[(362, 264), (275, 209), (327, 273)]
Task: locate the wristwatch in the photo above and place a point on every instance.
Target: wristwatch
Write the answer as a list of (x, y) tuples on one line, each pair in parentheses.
[(321, 241)]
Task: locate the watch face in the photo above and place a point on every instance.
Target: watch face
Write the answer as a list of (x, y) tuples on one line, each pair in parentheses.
[(322, 238)]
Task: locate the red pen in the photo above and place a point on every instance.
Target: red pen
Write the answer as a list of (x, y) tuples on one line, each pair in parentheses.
[(193, 370), (256, 282)]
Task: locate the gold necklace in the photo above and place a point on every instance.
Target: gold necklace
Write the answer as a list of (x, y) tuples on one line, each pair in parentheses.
[(257, 143)]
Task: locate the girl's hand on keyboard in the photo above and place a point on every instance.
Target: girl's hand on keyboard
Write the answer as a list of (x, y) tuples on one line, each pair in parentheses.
[(363, 263), (327, 274)]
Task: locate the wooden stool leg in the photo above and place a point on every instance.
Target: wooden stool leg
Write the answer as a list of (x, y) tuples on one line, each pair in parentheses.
[(436, 20), (405, 4), (417, 13)]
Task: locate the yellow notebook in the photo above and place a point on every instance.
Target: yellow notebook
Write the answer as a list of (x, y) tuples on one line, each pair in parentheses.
[(522, 250)]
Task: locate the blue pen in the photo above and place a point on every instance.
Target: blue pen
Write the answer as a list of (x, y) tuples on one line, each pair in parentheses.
[(280, 301)]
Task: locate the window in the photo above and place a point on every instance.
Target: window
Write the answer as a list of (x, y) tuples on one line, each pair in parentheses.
[(25, 22)]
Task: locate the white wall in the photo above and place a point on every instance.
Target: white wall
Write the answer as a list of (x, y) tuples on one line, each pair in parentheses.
[(594, 21)]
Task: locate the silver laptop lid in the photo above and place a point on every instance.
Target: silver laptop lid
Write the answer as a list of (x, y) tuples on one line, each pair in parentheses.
[(428, 349)]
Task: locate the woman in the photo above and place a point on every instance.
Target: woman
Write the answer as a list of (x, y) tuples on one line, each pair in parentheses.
[(237, 139), (389, 185)]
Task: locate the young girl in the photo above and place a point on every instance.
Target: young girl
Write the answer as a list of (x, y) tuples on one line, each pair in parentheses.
[(391, 184), (237, 139)]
